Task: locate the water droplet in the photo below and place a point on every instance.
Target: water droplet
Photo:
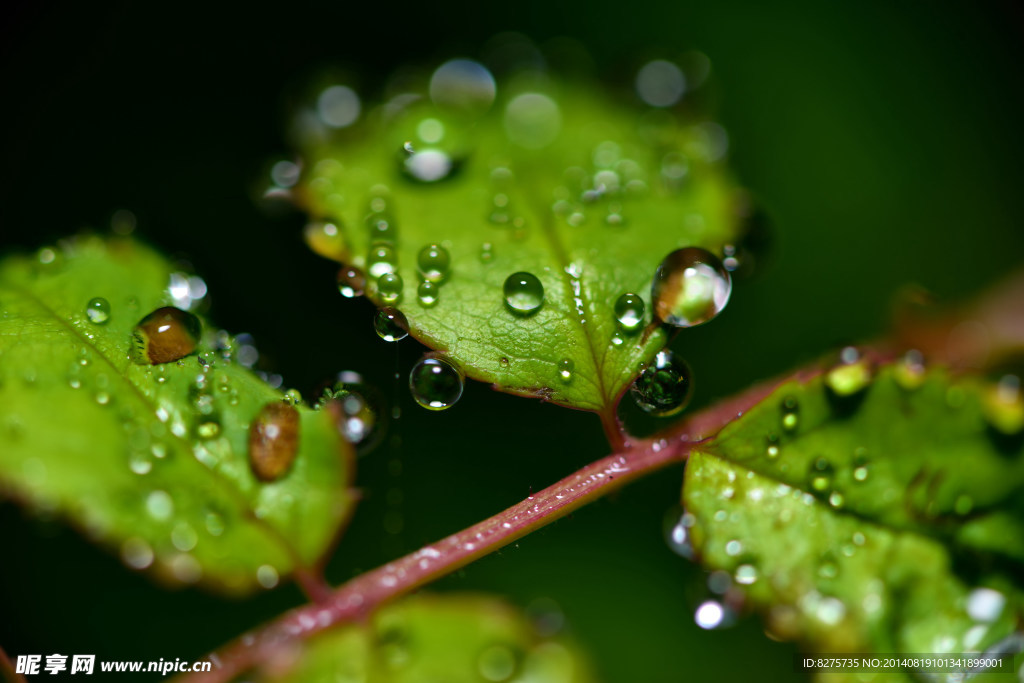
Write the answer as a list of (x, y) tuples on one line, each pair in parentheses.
[(98, 310), (618, 339), (427, 293), (462, 86), (850, 377), (273, 440), (184, 537), (677, 533), (435, 383), (746, 574), (338, 106), (629, 312), (325, 239), (356, 410), (821, 475), (836, 500), (429, 165), (664, 388), (391, 324), (532, 120), (267, 576), (208, 429), (214, 523), (382, 227), (790, 413), (389, 287), (524, 294), (486, 252), (165, 335), (351, 282), (497, 663), (565, 369), (712, 614), (691, 286), (433, 262), (139, 463), (909, 373), (660, 83), (102, 397), (136, 553), (985, 604), (1003, 405), (381, 260), (159, 505)]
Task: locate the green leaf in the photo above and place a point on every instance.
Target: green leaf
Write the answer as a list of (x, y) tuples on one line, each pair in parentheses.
[(516, 203), (886, 519), (453, 638), (151, 459)]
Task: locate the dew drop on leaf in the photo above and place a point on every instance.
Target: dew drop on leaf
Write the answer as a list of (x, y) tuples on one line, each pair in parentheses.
[(486, 252), (850, 376), (391, 324), (433, 262), (165, 335), (273, 440), (98, 310), (532, 120), (678, 527), (820, 477), (435, 383), (524, 294), (1003, 405), (351, 282), (909, 372), (790, 413), (389, 287), (427, 292), (664, 387), (429, 165), (566, 366), (497, 663), (464, 86), (382, 227), (690, 287), (381, 260), (629, 312)]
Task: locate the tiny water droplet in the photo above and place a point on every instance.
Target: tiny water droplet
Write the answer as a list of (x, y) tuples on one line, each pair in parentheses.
[(664, 387), (382, 259), (267, 576), (690, 287), (159, 505), (382, 227), (433, 262), (391, 324), (427, 293), (102, 397), (325, 239), (850, 376), (435, 383), (618, 339), (429, 165), (497, 663), (98, 310), (629, 312), (389, 287), (790, 413), (677, 532), (165, 335), (486, 252), (208, 429), (565, 369), (351, 282), (909, 373), (136, 553), (746, 574), (524, 294), (836, 500), (712, 614), (1003, 405), (821, 475), (273, 441)]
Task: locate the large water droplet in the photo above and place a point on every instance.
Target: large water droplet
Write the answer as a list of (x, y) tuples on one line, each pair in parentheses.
[(98, 310), (691, 286), (273, 440), (435, 383), (433, 262), (463, 86), (391, 324), (532, 120), (524, 294), (389, 287), (429, 165), (629, 312), (351, 282), (664, 388), (165, 335), (427, 292)]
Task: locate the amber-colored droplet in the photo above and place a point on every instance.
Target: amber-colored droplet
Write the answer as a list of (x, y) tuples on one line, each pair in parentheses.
[(273, 441), (165, 335)]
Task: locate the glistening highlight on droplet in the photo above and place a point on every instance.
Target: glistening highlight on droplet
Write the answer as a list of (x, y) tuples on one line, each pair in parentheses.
[(524, 293), (690, 287), (165, 335)]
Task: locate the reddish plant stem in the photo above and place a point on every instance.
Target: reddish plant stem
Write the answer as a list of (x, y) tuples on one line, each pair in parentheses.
[(362, 595)]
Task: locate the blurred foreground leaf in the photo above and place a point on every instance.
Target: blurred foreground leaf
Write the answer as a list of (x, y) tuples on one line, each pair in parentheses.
[(456, 639), (151, 459), (556, 181), (886, 519)]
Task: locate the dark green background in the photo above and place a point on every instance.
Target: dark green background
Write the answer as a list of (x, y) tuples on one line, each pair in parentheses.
[(883, 138)]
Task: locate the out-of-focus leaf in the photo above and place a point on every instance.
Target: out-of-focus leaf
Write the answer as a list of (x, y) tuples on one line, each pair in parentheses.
[(889, 519), (151, 459), (456, 638), (557, 181)]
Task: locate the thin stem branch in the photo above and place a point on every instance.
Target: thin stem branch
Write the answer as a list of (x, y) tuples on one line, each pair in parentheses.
[(362, 595)]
